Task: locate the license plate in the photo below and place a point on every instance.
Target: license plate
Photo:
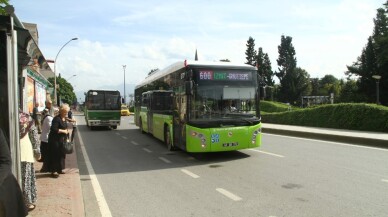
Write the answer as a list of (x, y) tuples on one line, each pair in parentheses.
[(230, 144)]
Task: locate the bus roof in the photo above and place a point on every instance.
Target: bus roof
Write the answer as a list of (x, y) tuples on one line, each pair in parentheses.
[(182, 64), (159, 91), (103, 90)]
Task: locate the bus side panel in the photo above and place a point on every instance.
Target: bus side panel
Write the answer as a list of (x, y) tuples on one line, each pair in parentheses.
[(143, 117), (222, 139), (136, 115), (103, 117), (86, 114), (158, 125)]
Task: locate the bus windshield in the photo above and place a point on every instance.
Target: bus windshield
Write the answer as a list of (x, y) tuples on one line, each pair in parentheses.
[(223, 94), (103, 100)]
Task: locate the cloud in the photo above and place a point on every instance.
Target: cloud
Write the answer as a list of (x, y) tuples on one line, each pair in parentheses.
[(327, 35), (99, 64)]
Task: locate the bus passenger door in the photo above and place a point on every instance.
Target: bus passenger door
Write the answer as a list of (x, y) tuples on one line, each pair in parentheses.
[(150, 114), (179, 115)]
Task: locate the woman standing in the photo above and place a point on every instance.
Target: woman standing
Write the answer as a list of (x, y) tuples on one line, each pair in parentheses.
[(46, 125), (28, 145), (58, 134)]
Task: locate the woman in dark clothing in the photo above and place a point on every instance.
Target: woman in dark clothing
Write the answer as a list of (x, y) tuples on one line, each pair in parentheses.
[(58, 134), (11, 197)]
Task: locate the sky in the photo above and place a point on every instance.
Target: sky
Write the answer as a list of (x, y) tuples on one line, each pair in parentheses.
[(144, 35)]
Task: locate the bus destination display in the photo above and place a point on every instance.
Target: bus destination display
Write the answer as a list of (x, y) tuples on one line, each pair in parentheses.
[(225, 76)]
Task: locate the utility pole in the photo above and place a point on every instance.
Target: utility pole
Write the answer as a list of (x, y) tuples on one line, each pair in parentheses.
[(124, 85)]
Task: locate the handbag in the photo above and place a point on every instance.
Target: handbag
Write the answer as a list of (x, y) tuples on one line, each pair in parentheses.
[(67, 146)]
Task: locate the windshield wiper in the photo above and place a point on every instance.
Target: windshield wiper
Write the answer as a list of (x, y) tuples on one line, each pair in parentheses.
[(249, 121)]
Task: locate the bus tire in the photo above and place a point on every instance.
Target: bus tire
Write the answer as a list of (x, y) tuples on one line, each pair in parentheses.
[(114, 127), (167, 139), (141, 126)]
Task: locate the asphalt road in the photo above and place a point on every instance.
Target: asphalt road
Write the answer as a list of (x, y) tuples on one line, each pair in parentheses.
[(134, 175)]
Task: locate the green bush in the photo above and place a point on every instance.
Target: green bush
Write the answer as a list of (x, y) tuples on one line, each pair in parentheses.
[(352, 116), (271, 106)]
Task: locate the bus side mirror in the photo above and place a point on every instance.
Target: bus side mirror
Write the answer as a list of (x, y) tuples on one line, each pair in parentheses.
[(189, 87)]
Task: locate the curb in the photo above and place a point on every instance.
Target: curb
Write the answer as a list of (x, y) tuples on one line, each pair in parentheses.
[(373, 142)]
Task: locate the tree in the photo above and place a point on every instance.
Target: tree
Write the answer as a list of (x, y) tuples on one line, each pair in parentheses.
[(315, 86), (290, 79), (65, 90), (373, 61), (3, 3), (329, 84), (328, 79), (250, 52), (349, 92), (264, 68), (295, 85), (287, 59), (268, 73)]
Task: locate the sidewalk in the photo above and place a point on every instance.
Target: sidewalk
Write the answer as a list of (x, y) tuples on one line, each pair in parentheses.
[(62, 197)]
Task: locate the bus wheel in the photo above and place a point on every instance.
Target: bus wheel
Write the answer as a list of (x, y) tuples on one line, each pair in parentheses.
[(167, 139), (141, 126), (114, 127)]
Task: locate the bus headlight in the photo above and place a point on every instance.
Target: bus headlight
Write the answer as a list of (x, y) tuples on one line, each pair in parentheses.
[(254, 135), (203, 142), (200, 136)]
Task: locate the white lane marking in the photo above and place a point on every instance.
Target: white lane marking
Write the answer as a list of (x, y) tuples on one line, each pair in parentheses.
[(229, 194), (102, 204), (165, 160), (195, 176), (336, 143), (124, 137), (384, 180), (135, 143), (147, 150), (264, 152), (118, 134)]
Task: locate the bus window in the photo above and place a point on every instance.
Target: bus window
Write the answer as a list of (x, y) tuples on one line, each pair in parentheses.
[(112, 101), (144, 101), (162, 101), (96, 101)]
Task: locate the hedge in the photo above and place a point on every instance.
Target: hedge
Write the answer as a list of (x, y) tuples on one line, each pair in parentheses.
[(352, 116)]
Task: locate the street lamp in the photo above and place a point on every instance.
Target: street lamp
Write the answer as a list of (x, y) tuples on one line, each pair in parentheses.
[(70, 77), (55, 70), (377, 77), (124, 66)]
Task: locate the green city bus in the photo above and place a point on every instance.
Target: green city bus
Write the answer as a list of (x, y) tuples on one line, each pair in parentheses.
[(201, 106), (102, 108)]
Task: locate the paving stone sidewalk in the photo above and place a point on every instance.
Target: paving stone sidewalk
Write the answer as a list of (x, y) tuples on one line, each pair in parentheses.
[(62, 196)]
